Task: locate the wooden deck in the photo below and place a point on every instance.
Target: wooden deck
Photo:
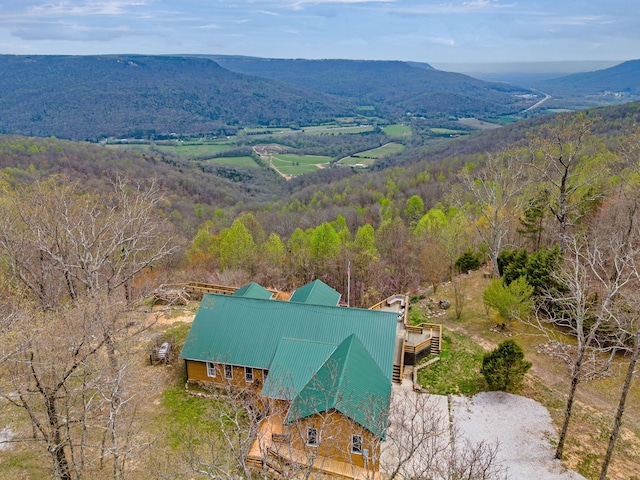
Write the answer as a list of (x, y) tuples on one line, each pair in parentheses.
[(422, 336), (269, 452), (182, 292)]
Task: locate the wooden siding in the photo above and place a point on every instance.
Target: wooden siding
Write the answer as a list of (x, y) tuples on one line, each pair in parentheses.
[(278, 445), (197, 372)]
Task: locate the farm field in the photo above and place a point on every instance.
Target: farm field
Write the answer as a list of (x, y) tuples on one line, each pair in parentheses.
[(194, 150), (245, 161), (338, 130), (290, 164), (448, 131), (185, 150), (478, 124), (397, 130), (369, 156)]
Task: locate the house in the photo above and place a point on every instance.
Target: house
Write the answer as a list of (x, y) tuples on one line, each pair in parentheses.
[(324, 370)]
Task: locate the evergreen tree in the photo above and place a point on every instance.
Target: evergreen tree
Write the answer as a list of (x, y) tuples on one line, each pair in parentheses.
[(504, 367)]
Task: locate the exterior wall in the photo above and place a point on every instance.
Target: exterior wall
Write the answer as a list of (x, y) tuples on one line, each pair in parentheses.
[(197, 371), (334, 440)]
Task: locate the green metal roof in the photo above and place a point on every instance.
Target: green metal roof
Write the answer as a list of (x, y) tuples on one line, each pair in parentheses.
[(253, 290), (293, 365), (349, 382), (247, 331), (316, 293)]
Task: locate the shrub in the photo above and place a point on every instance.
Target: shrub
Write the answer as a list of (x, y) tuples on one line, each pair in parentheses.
[(511, 301), (469, 260), (504, 368)]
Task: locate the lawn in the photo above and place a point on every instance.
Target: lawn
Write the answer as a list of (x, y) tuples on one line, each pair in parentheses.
[(458, 370)]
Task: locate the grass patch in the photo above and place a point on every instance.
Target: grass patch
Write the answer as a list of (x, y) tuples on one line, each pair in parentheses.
[(383, 151), (245, 161), (448, 131), (458, 371), (293, 164), (397, 130), (183, 413), (337, 130), (356, 161), (368, 157)]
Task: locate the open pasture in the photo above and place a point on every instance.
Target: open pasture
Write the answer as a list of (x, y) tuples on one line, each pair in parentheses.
[(245, 161), (397, 130), (290, 164)]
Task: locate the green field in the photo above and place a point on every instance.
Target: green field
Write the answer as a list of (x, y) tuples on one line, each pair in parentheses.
[(293, 164), (267, 130), (397, 130), (237, 161), (187, 150), (193, 150), (356, 161), (448, 131), (337, 130), (369, 156)]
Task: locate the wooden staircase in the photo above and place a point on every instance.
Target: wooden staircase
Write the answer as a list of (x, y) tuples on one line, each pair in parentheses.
[(435, 345), (397, 374)]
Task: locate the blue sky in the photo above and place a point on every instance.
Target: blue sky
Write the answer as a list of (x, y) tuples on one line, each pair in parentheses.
[(425, 31)]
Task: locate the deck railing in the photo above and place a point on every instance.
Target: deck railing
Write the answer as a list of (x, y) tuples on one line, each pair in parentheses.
[(434, 330)]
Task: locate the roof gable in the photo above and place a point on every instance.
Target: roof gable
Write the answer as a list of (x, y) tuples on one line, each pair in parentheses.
[(293, 365), (253, 290), (316, 293), (247, 331), (349, 382)]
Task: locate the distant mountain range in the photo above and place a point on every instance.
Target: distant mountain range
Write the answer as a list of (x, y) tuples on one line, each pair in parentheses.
[(92, 97), (622, 78), (393, 87)]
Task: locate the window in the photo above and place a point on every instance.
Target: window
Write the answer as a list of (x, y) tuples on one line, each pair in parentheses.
[(211, 369), (228, 372), (265, 372), (312, 436), (248, 374), (356, 444)]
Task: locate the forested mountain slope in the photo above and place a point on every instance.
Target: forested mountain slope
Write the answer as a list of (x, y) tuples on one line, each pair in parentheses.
[(395, 87), (187, 186), (92, 97), (621, 78)]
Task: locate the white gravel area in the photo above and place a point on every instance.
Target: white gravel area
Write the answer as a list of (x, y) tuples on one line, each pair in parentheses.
[(523, 428), (6, 434)]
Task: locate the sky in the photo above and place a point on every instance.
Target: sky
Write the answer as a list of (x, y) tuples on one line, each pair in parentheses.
[(428, 31)]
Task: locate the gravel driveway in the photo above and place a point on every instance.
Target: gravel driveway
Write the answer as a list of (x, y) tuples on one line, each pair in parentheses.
[(523, 428)]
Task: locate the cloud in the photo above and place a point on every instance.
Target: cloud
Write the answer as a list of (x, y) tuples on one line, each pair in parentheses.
[(72, 32), (210, 26), (441, 41), (69, 8)]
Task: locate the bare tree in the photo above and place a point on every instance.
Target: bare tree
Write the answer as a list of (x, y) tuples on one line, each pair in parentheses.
[(623, 215), (558, 156), (76, 255), (595, 271), (421, 443), (496, 189)]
